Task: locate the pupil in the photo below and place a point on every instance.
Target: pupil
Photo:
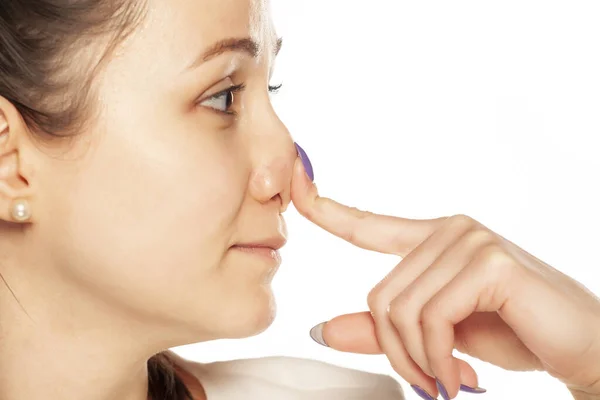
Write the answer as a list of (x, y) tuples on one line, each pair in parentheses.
[(229, 100)]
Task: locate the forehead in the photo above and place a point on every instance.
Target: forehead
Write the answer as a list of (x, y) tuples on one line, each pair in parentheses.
[(149, 63), (188, 26)]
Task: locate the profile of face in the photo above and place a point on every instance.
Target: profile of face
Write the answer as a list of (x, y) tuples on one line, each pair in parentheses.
[(142, 221)]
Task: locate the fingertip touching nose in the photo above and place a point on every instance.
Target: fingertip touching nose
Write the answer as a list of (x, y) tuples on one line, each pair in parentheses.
[(272, 181), (305, 162)]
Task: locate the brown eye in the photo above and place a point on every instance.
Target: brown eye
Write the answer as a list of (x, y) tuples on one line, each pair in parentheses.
[(222, 101), (229, 97)]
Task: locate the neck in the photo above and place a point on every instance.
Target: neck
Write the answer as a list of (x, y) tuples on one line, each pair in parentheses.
[(31, 368), (38, 363), (49, 351)]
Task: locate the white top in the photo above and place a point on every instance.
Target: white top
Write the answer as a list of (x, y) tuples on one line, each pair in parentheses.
[(288, 378)]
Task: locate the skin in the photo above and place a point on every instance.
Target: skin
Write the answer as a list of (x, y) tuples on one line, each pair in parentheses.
[(460, 286), (129, 249), (130, 244)]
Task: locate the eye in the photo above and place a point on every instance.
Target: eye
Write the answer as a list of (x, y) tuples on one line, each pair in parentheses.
[(223, 100)]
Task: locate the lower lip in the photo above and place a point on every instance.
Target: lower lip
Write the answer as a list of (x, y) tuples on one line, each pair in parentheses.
[(265, 252)]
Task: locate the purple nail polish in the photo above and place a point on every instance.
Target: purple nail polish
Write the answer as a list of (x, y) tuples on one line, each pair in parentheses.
[(468, 389), (422, 393), (442, 390), (305, 161)]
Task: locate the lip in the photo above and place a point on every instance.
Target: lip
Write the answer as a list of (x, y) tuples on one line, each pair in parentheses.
[(265, 248), (273, 243)]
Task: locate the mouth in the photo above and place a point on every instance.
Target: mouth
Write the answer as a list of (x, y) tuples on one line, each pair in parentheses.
[(268, 248)]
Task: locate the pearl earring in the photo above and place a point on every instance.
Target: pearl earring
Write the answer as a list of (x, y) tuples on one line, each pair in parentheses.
[(21, 211)]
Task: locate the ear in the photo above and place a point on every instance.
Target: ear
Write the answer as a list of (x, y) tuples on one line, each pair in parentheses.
[(16, 196)]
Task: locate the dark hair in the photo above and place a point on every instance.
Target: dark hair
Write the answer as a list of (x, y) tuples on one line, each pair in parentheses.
[(48, 62), (51, 51), (163, 381)]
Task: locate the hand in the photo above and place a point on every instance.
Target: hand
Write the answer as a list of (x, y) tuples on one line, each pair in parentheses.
[(459, 286)]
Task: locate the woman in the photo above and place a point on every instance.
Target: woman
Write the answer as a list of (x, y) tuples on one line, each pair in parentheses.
[(143, 177)]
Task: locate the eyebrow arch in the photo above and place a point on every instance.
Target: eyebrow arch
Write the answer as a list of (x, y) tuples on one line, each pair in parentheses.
[(243, 45)]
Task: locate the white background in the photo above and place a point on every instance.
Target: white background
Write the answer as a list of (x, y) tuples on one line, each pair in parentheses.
[(426, 109)]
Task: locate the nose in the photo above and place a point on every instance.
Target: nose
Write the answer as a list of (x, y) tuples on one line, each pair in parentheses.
[(274, 154)]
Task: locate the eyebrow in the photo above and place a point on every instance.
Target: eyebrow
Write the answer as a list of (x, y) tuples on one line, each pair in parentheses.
[(243, 45)]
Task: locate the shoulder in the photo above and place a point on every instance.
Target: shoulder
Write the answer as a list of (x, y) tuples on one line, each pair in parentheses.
[(294, 378)]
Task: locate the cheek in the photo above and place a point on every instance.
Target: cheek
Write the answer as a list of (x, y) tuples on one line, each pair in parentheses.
[(150, 217)]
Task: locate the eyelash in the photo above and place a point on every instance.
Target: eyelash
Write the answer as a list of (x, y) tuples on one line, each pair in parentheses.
[(238, 89), (275, 89)]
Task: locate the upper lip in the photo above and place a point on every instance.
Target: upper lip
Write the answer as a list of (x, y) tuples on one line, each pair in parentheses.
[(273, 242)]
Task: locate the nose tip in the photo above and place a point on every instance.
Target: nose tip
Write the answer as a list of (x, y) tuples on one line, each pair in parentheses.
[(305, 161)]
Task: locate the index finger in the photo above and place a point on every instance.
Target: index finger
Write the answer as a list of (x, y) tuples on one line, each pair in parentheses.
[(381, 233)]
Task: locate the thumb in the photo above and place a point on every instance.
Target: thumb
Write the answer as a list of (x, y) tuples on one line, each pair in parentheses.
[(351, 333), (355, 333)]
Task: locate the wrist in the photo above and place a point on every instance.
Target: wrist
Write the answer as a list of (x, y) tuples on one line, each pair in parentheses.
[(579, 395)]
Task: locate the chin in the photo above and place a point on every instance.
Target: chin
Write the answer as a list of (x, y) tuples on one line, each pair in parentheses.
[(254, 315), (244, 313)]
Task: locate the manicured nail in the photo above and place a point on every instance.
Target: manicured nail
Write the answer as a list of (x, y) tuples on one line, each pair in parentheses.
[(316, 333), (305, 161), (468, 389), (422, 393), (442, 390)]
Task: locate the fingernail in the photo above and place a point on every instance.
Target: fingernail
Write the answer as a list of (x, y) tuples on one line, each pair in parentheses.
[(305, 161), (422, 393), (316, 333), (468, 389), (442, 390)]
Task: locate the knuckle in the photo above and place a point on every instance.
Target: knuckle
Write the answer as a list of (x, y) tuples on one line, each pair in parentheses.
[(348, 235), (498, 266), (495, 259), (430, 314), (478, 237), (461, 221), (400, 311), (376, 302), (358, 213)]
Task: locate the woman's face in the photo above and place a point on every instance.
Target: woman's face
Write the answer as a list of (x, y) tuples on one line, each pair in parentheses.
[(176, 172)]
